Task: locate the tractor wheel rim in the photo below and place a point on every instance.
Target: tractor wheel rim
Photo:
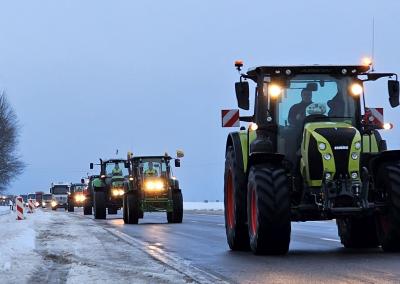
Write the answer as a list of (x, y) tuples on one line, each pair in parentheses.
[(230, 200), (253, 213)]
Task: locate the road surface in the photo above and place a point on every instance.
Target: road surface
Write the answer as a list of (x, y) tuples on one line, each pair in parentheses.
[(316, 254)]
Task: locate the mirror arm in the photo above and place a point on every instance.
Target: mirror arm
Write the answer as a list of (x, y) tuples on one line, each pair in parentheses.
[(247, 118)]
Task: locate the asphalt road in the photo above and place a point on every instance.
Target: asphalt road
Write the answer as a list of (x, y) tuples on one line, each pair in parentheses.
[(316, 254)]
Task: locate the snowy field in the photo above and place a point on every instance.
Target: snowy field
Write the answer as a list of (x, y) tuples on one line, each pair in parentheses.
[(203, 206), (55, 247)]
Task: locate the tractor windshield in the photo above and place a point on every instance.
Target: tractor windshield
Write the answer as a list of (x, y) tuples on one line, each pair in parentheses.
[(116, 168), (321, 96), (311, 98), (153, 168)]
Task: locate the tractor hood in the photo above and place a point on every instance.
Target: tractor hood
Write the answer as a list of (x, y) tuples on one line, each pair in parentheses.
[(330, 150)]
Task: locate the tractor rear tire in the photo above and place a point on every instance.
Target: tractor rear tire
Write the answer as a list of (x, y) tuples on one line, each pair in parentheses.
[(70, 207), (125, 208), (235, 203), (132, 207), (389, 223), (176, 215), (358, 232), (268, 203), (87, 210), (99, 205)]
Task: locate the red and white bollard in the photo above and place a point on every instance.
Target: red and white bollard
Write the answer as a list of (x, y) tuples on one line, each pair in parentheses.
[(31, 206), (20, 208)]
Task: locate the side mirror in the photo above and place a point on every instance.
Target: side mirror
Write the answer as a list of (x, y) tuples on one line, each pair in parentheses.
[(242, 94), (177, 163), (91, 166), (180, 153), (393, 88), (82, 180)]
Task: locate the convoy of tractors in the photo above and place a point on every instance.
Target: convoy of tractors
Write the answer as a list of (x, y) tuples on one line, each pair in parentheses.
[(311, 151), (136, 185)]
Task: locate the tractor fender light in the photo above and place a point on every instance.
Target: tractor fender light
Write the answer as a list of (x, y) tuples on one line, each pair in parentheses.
[(387, 126), (253, 126)]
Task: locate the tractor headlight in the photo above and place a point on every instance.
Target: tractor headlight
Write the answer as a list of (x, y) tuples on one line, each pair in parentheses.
[(354, 156), (354, 175), (327, 156), (117, 192), (80, 198), (357, 145), (328, 175), (154, 185), (322, 146), (53, 203)]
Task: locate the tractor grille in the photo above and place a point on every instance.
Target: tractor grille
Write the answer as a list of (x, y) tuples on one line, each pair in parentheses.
[(339, 137)]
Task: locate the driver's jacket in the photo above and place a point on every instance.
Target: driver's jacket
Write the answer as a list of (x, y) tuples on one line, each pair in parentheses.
[(151, 173)]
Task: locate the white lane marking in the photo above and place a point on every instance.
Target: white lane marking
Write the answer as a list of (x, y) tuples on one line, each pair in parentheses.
[(181, 265), (332, 240), (194, 221), (221, 225)]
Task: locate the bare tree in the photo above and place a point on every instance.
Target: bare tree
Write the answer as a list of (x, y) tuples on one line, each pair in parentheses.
[(11, 164)]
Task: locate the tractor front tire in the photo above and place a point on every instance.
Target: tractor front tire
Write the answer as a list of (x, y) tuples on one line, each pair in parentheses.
[(99, 204), (358, 232), (389, 222), (132, 201), (70, 207), (87, 210), (235, 203), (268, 203), (176, 215)]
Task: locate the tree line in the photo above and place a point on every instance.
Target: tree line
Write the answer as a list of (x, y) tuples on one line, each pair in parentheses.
[(11, 164)]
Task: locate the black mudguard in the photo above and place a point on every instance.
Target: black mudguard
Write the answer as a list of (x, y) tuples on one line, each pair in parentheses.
[(234, 141), (380, 158)]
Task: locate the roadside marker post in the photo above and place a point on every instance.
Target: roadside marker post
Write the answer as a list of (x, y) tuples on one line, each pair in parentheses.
[(19, 208), (31, 206)]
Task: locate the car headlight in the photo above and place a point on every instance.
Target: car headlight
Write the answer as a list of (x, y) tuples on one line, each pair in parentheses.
[(154, 185)]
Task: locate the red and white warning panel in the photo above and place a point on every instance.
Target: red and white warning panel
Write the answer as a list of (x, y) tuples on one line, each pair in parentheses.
[(19, 208), (374, 116), (230, 118)]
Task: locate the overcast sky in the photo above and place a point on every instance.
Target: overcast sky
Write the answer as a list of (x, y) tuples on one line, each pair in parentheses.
[(89, 77)]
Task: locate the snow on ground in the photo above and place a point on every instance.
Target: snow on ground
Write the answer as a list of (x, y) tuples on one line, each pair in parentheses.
[(210, 206), (17, 255), (57, 247), (4, 209)]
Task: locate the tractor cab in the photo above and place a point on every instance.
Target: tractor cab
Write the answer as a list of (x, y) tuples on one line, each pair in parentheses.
[(313, 144)]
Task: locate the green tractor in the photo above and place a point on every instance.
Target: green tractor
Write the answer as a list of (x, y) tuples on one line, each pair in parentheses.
[(152, 188), (108, 188), (312, 151)]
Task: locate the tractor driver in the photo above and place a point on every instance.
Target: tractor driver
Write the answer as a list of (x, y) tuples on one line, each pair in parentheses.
[(297, 112), (116, 170), (150, 171)]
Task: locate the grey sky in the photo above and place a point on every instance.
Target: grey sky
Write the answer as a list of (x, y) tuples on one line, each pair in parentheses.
[(89, 77)]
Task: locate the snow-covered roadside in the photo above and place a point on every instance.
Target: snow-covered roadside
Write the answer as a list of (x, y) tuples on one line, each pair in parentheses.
[(17, 245), (4, 210), (57, 247)]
